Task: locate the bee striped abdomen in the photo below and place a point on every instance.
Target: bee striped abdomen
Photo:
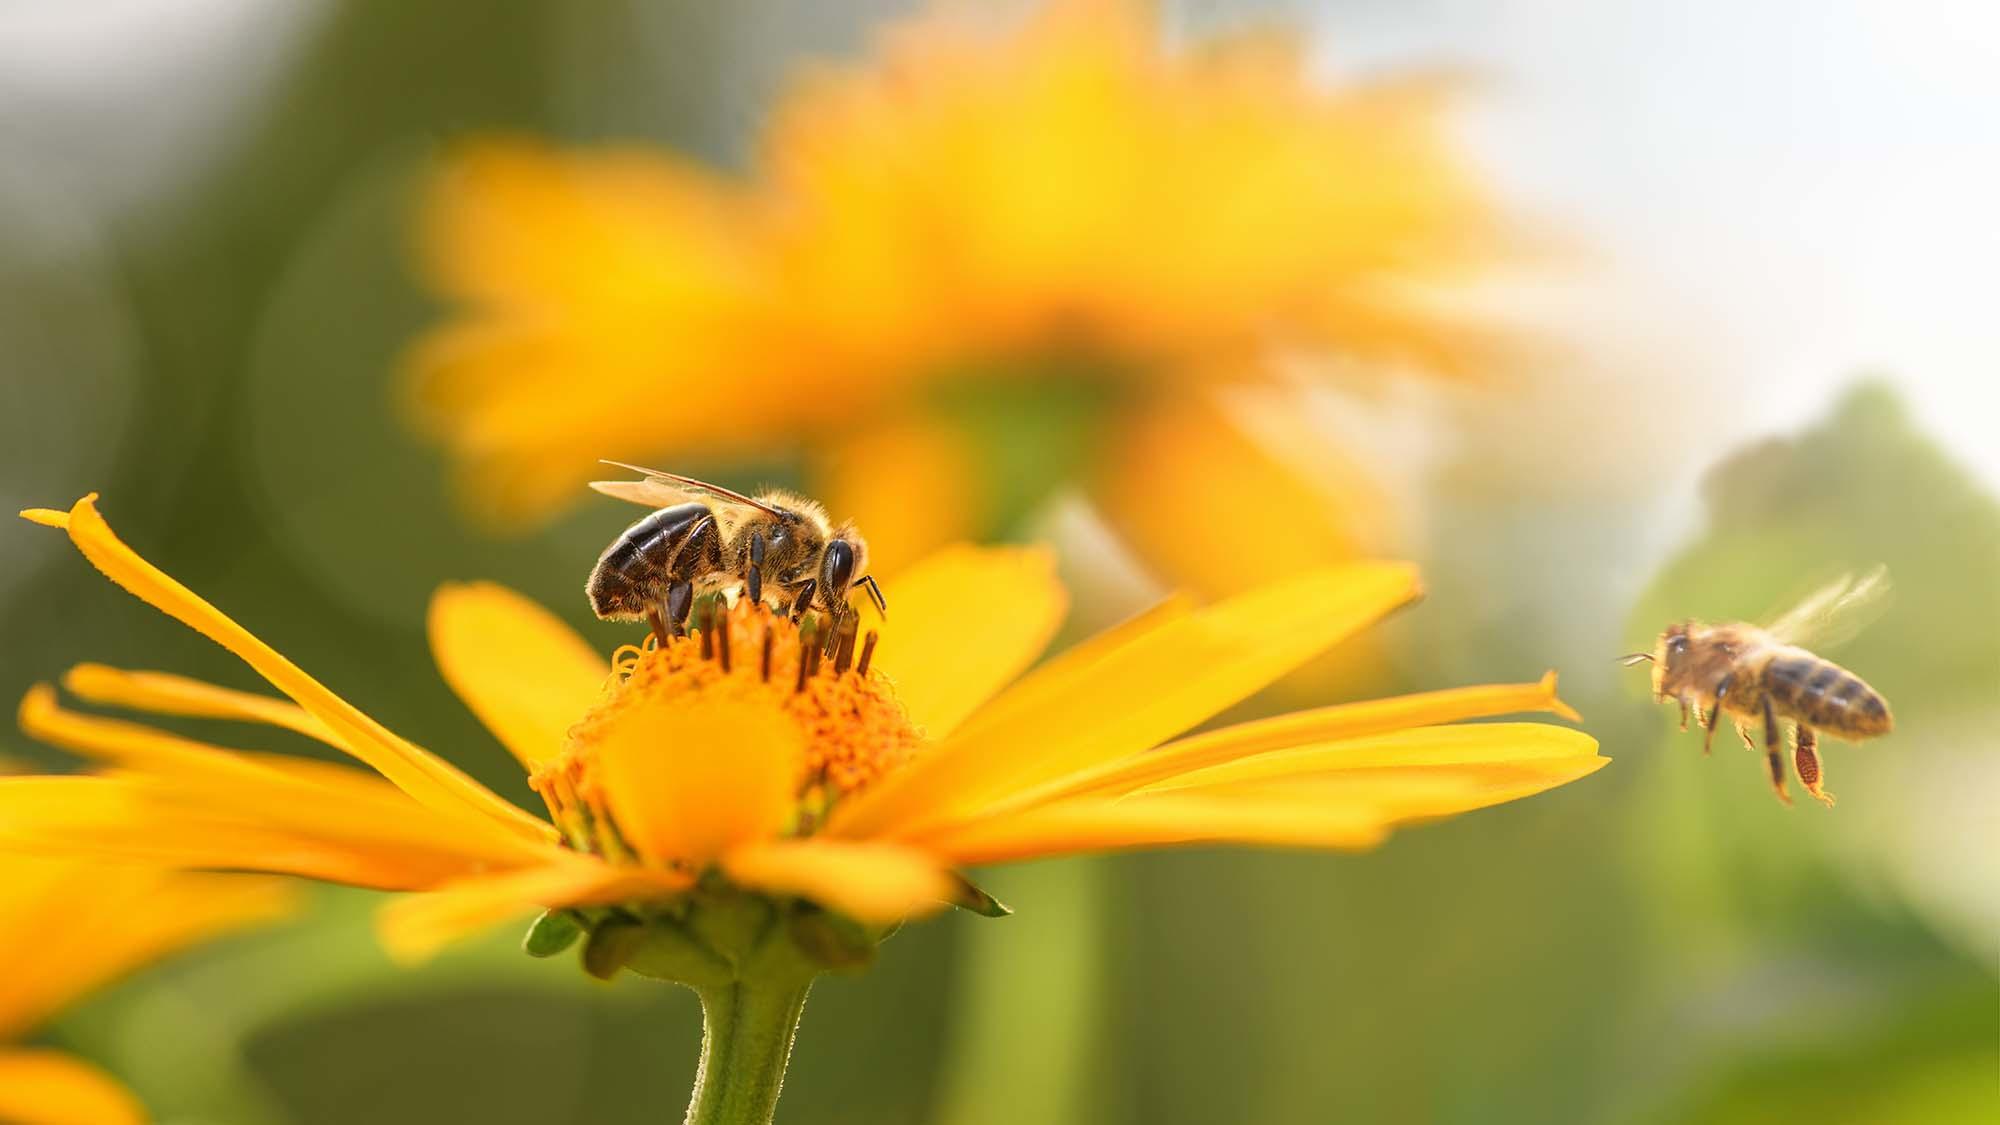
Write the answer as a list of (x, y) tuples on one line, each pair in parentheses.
[(1822, 694), (668, 545)]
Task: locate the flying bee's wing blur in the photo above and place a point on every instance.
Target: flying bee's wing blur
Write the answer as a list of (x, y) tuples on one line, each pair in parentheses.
[(664, 490), (1836, 612)]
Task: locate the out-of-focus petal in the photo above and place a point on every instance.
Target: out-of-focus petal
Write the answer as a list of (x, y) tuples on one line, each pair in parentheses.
[(524, 673), (911, 484), (68, 926), (415, 927), (1293, 500), (51, 1088), (877, 883)]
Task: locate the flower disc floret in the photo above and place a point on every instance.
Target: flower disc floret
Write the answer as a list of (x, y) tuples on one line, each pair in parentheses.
[(747, 660)]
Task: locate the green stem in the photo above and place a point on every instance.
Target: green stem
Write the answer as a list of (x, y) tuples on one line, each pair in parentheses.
[(746, 1040)]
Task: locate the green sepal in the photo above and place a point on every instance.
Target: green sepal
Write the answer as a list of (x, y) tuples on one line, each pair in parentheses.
[(553, 932), (669, 952), (967, 896), (831, 941), (612, 943)]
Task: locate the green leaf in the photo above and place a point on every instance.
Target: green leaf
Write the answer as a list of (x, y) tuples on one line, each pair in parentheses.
[(553, 932)]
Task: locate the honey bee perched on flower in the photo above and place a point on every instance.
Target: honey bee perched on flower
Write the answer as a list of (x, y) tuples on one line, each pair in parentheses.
[(1765, 674), (703, 537)]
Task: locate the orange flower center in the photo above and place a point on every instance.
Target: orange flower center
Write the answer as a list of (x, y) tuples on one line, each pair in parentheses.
[(852, 727)]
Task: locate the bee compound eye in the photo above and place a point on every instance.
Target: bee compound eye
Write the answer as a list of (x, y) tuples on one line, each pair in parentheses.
[(836, 571)]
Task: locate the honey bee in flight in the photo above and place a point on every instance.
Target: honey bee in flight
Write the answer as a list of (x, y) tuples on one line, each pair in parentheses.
[(703, 537), (1764, 674)]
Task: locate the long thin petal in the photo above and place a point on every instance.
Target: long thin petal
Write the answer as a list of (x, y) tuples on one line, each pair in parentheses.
[(414, 927), (689, 781), (1145, 821), (299, 794), (1407, 793), (876, 883), (1303, 728), (165, 693), (1436, 747), (51, 1088), (964, 623), (1157, 685), (524, 673), (423, 775), (122, 818)]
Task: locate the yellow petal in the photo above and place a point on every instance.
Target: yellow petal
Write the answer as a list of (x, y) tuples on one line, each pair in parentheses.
[(1148, 821), (688, 781), (1302, 728), (963, 624), (168, 694), (234, 827), (423, 775), (1443, 747), (524, 673), (51, 1088), (415, 927), (1405, 793), (875, 883), (1157, 685), (298, 794)]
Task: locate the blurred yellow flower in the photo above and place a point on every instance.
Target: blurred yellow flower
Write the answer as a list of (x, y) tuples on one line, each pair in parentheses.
[(857, 781), (67, 927), (1064, 220)]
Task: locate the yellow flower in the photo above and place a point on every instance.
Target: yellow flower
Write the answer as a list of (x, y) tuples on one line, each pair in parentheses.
[(67, 927), (857, 778), (1066, 216)]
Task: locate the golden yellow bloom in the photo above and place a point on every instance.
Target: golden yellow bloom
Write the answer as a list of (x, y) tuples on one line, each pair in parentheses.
[(1014, 210), (67, 927), (858, 781)]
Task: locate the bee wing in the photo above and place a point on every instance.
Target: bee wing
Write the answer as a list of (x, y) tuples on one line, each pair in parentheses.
[(664, 490), (1833, 614)]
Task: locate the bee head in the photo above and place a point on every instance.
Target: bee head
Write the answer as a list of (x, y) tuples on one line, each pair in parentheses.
[(844, 561), (1669, 658)]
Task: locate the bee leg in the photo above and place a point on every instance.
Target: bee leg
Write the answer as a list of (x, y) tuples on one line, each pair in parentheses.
[(1806, 758), (660, 634), (1715, 713), (1773, 752), (753, 582), (802, 600), (680, 599), (1684, 716), (1743, 732)]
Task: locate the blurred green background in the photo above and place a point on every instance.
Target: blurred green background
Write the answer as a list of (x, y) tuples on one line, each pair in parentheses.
[(200, 306)]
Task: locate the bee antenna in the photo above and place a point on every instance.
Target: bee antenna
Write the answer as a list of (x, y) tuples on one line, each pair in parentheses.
[(1635, 658)]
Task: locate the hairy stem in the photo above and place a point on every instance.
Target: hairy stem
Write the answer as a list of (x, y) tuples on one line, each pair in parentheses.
[(747, 1029)]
